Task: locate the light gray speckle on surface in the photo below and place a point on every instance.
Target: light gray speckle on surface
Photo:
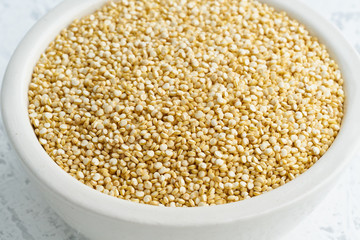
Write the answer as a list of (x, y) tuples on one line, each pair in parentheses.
[(24, 215)]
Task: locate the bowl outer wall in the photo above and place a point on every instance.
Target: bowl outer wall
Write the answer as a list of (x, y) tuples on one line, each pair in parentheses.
[(57, 182)]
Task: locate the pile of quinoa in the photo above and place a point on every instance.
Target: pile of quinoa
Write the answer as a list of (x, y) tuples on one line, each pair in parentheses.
[(185, 102)]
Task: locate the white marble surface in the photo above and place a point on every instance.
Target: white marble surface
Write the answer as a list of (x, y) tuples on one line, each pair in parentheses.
[(24, 215)]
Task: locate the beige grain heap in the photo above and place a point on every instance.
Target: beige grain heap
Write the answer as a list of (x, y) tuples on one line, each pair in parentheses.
[(185, 102)]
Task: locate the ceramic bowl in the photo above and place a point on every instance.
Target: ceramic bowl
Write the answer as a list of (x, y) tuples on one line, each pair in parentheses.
[(99, 216)]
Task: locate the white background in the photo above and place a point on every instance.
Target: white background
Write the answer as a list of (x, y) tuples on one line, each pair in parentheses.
[(24, 215)]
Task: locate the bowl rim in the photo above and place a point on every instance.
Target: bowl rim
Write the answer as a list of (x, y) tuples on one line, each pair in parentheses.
[(53, 179)]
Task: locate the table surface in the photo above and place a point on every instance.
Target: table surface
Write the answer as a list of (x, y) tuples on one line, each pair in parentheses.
[(25, 215)]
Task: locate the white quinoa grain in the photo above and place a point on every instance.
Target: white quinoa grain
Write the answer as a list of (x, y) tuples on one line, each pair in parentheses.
[(163, 147), (316, 150), (199, 114), (139, 194), (96, 177), (80, 175), (150, 153), (95, 161)]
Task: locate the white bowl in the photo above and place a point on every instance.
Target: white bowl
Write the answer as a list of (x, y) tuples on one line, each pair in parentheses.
[(100, 216)]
